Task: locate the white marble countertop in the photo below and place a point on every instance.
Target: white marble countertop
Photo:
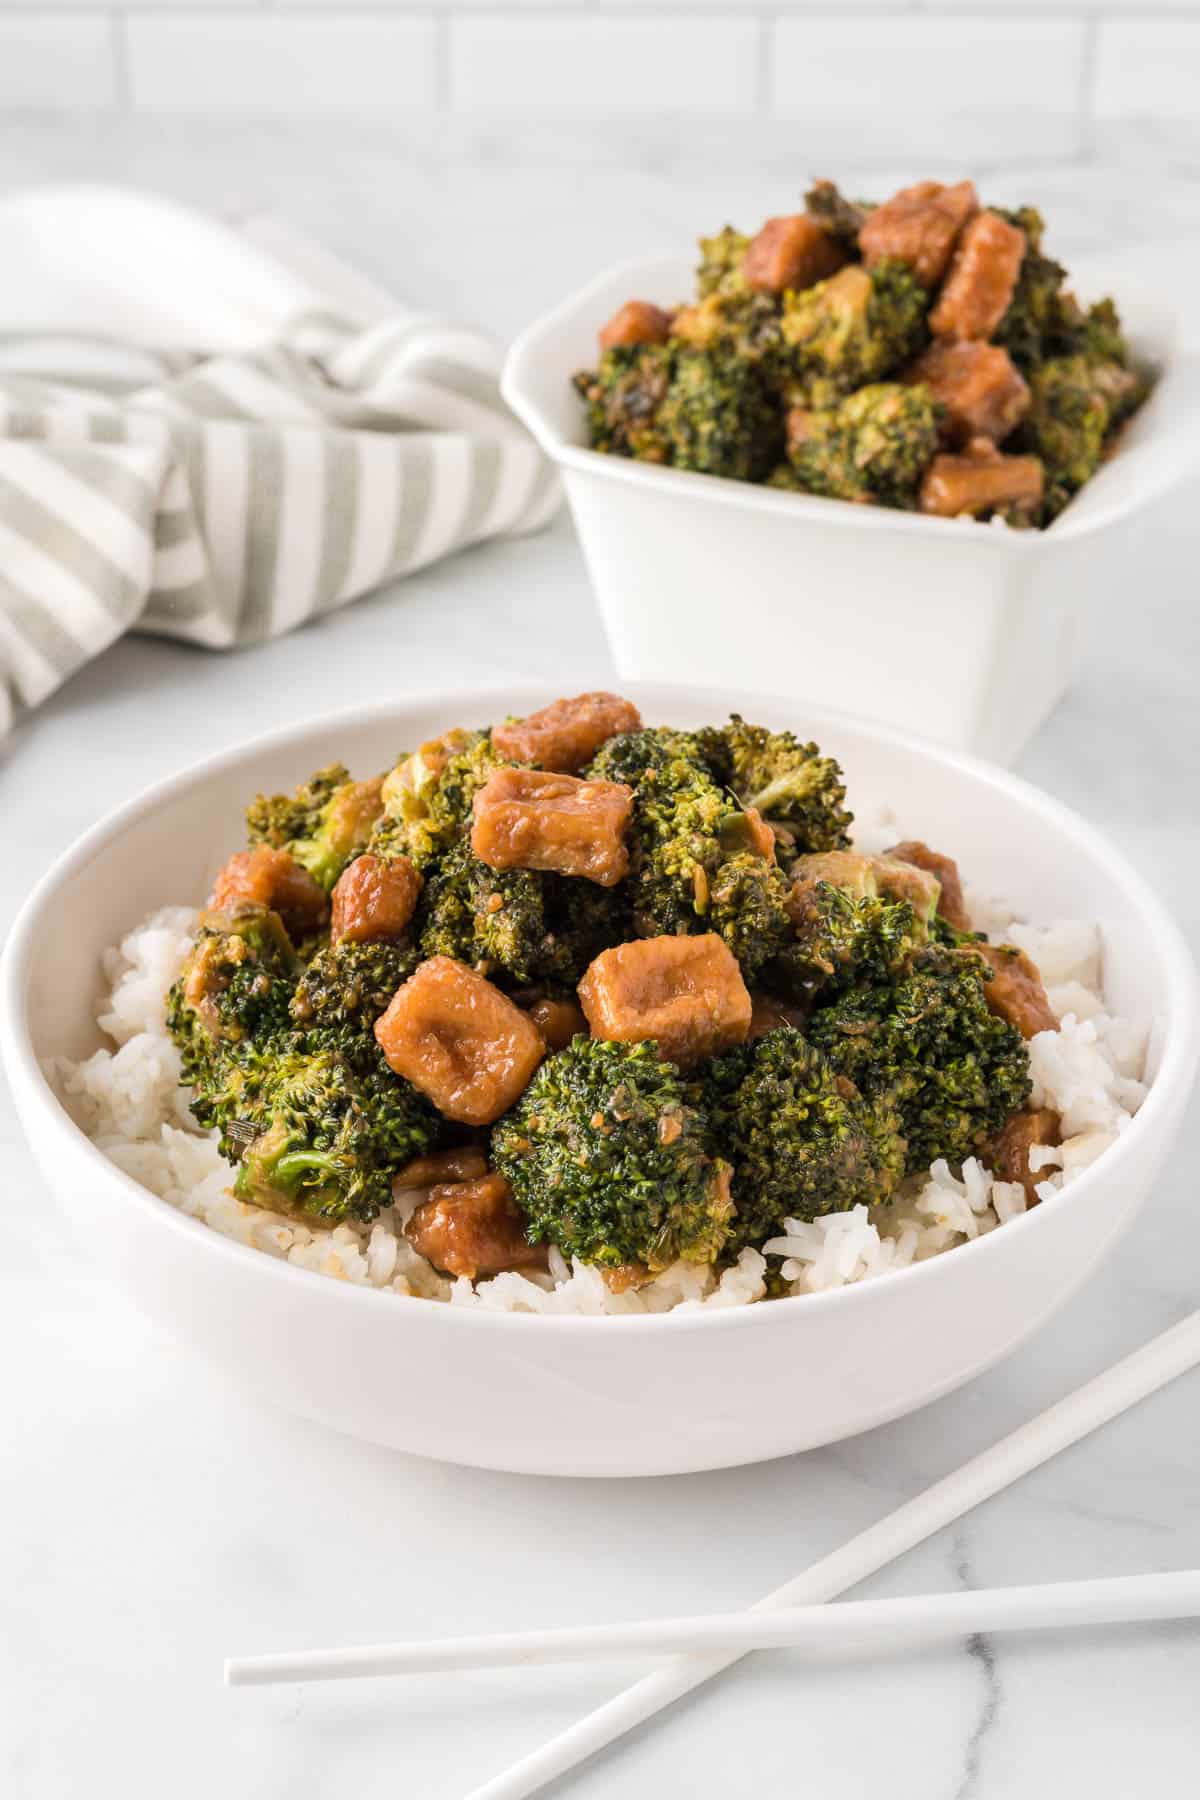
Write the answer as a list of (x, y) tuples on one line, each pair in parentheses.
[(152, 1520)]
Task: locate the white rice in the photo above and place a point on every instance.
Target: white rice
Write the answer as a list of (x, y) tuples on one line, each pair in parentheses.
[(129, 1101)]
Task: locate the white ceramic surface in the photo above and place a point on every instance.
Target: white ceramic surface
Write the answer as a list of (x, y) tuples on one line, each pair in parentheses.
[(967, 633), (573, 1396)]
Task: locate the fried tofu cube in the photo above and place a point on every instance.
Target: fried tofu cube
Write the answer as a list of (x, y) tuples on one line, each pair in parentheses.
[(373, 899), (791, 252), (637, 322), (566, 735), (980, 481), (905, 881), (465, 1162), (951, 904), (460, 1041), (558, 1021), (473, 1228), (1008, 1153), (267, 877), (981, 390), (983, 274), (845, 869), (531, 819), (769, 1013), (919, 226), (1015, 992), (686, 993)]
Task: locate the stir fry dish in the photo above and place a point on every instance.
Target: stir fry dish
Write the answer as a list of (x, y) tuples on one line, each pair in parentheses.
[(622, 990), (923, 354)]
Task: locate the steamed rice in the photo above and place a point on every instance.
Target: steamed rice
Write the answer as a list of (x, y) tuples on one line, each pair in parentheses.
[(129, 1100)]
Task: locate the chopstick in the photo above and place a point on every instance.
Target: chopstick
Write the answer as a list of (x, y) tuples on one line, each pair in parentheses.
[(857, 1627), (1064, 1424)]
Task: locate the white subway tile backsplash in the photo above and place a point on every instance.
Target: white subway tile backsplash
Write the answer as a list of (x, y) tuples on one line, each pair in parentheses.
[(275, 62), (61, 61), (941, 80), (1148, 68), (621, 63), (958, 85)]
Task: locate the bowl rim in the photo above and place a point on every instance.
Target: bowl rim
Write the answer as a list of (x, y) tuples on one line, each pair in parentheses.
[(1180, 1043), (530, 347)]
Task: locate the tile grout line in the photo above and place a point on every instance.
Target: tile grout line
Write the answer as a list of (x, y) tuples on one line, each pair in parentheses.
[(764, 97), (443, 85), (818, 12), (1089, 64), (122, 87)]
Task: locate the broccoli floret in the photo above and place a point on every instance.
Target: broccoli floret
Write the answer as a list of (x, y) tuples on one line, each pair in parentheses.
[(796, 789), (735, 322), (521, 925), (843, 940), (1032, 328), (624, 396), (302, 1098), (719, 417), (690, 868), (326, 1140), (323, 825), (1102, 339), (1066, 425), (842, 218), (801, 1140), (1044, 321), (428, 796), (875, 446), (236, 986), (928, 1045), (610, 1162), (720, 269), (350, 984), (584, 919), (631, 754), (675, 844), (853, 328), (484, 916), (747, 906)]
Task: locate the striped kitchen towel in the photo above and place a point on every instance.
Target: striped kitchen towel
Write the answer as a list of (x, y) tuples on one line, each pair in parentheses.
[(246, 436)]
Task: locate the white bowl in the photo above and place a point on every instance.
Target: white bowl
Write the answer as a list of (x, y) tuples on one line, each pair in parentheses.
[(967, 633), (581, 1396)]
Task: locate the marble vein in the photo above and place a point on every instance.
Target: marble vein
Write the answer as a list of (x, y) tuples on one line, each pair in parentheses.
[(982, 1653)]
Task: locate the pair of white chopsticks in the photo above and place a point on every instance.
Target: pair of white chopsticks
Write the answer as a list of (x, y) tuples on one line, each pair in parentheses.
[(795, 1614)]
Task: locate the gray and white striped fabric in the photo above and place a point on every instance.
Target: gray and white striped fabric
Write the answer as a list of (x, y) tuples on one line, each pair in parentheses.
[(227, 499)]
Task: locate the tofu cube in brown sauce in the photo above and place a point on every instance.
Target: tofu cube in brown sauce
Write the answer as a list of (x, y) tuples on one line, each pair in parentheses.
[(465, 1162), (919, 226), (558, 1021), (981, 279), (980, 481), (532, 819), (373, 900), (272, 878), (685, 993), (460, 1041), (637, 322), (951, 905), (1009, 1152), (1016, 992), (473, 1228), (978, 386), (566, 735), (792, 252)]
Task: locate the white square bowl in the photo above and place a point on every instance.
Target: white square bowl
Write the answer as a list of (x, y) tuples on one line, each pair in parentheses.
[(964, 632)]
